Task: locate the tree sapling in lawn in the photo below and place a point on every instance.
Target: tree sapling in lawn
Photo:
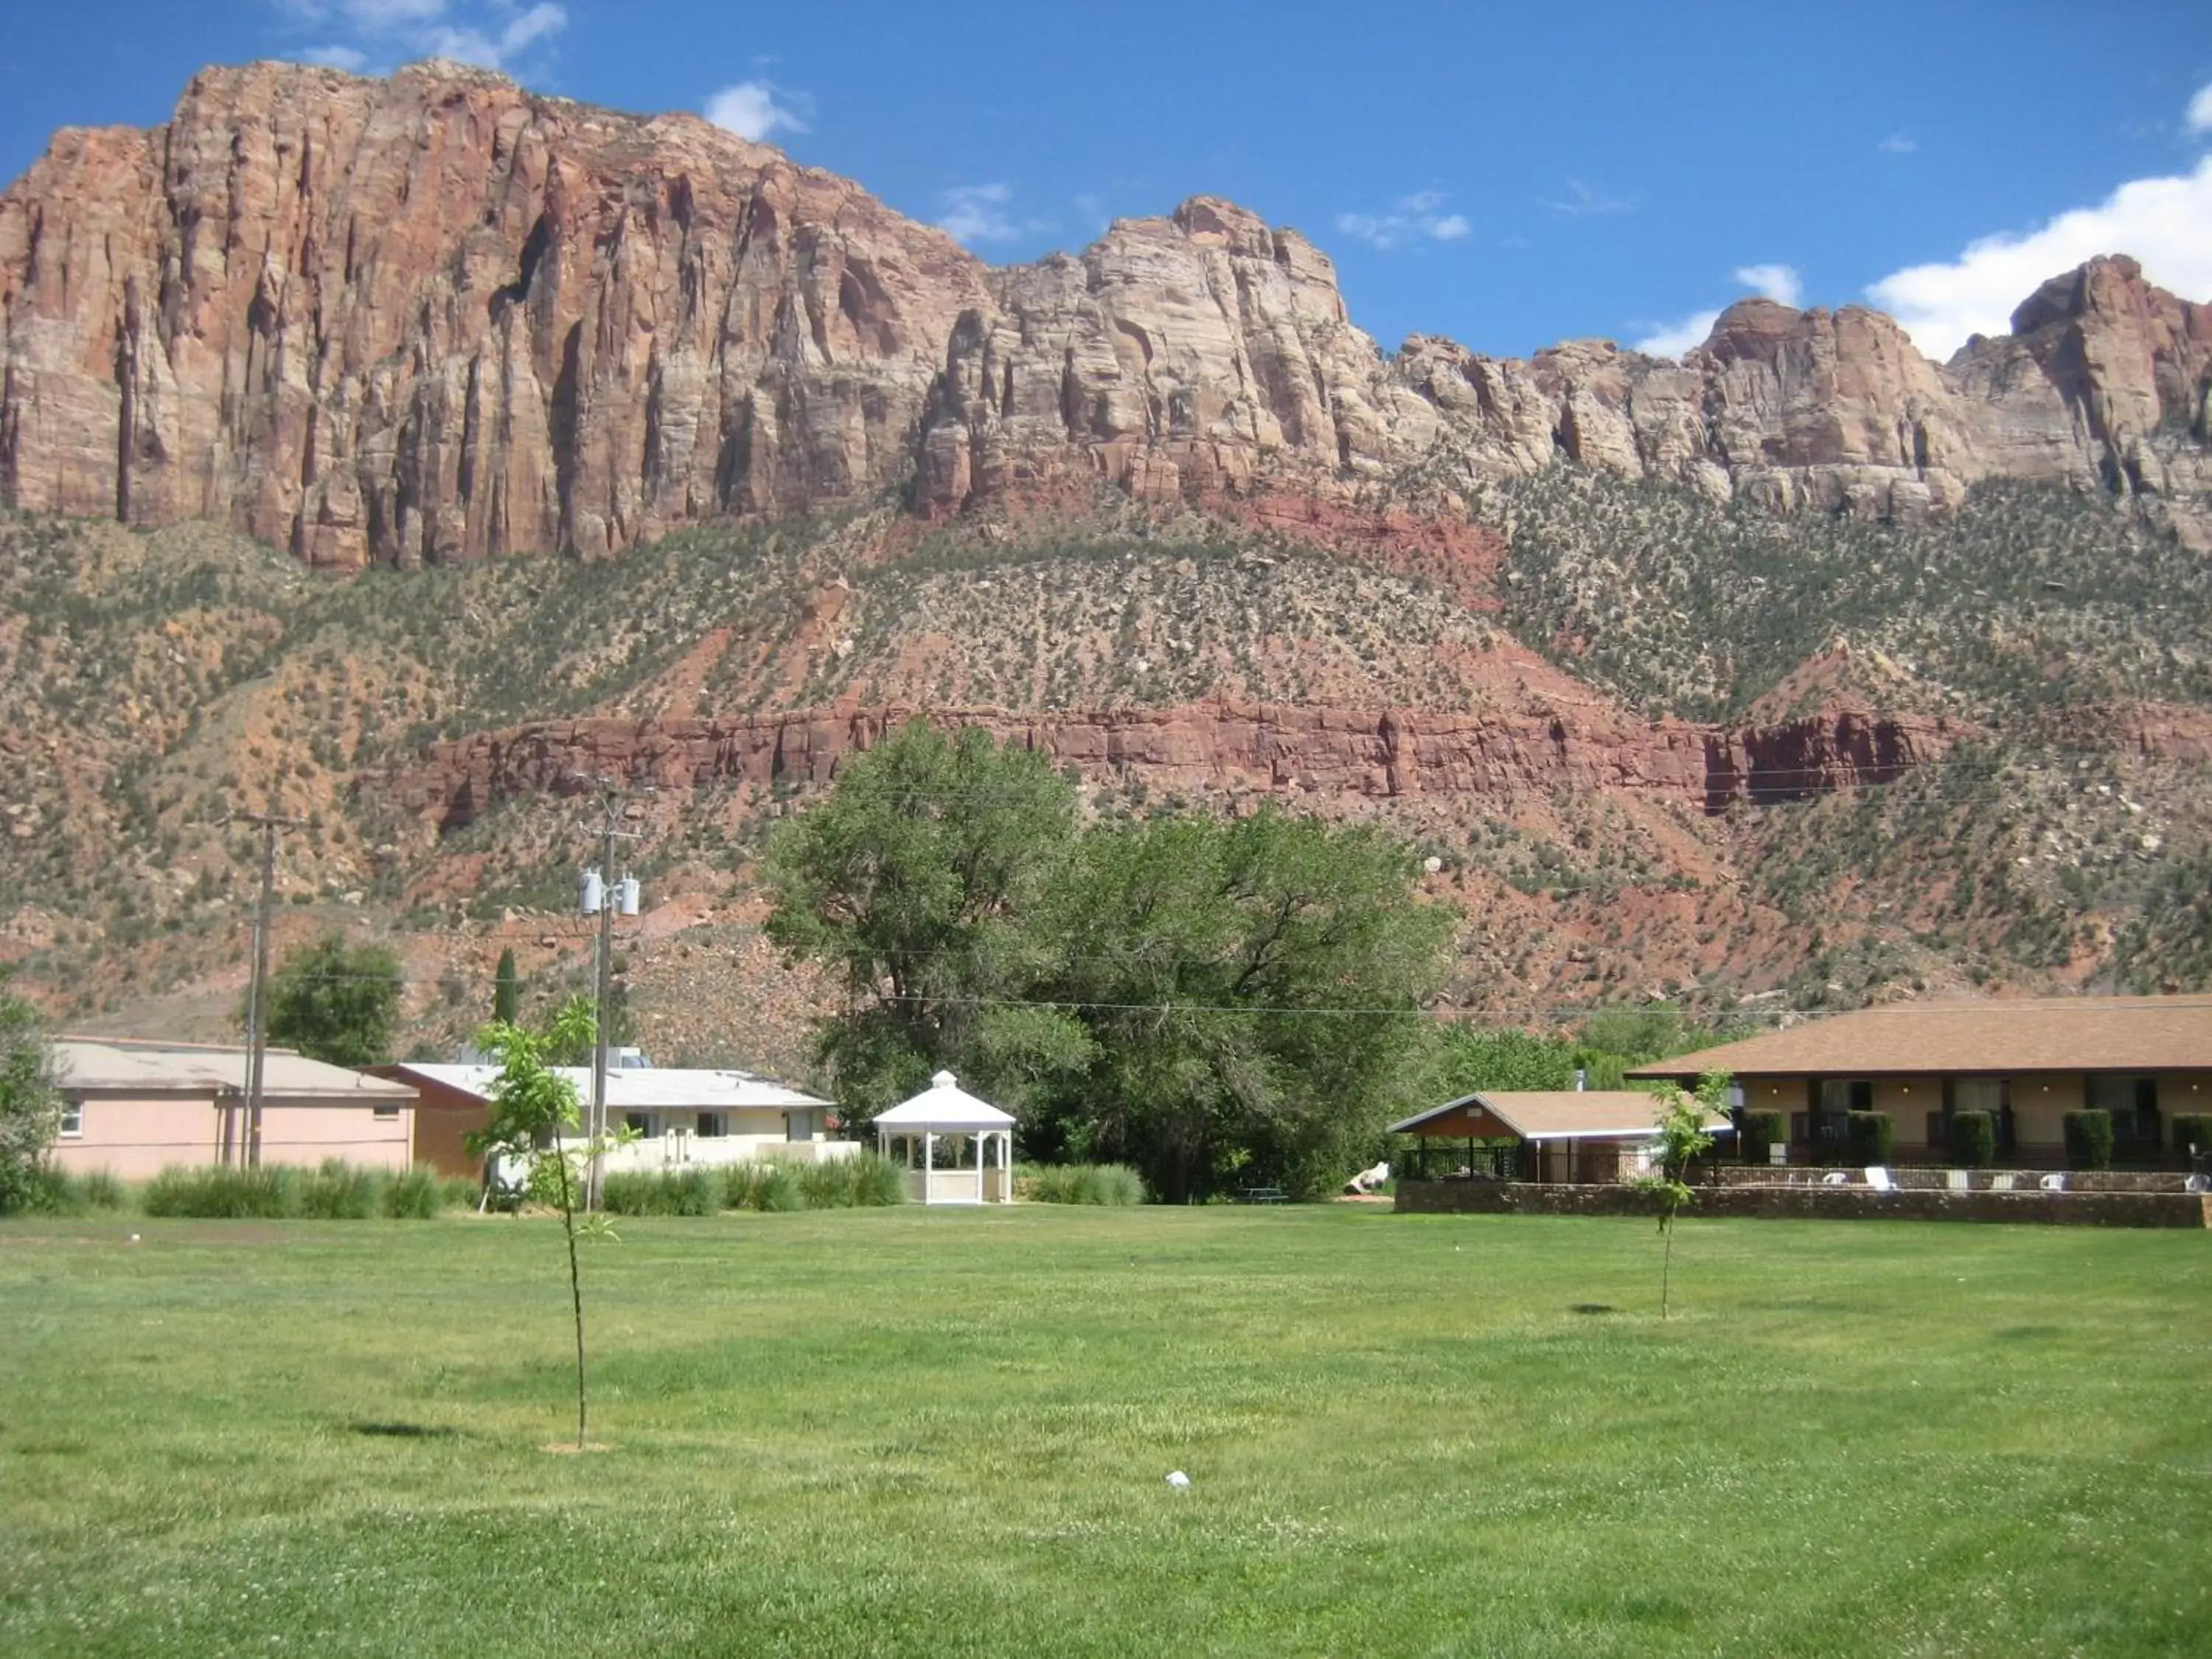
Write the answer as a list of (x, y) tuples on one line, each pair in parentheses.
[(531, 1104), (1682, 1136)]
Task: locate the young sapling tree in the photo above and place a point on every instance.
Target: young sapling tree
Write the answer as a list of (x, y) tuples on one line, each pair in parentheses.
[(1683, 1135), (532, 1108)]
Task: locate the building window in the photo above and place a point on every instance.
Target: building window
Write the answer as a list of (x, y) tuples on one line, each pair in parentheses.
[(1979, 1093), (638, 1123), (386, 1113), (72, 1118), (710, 1123)]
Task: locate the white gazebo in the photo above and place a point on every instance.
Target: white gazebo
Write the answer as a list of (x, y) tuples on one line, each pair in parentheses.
[(946, 1112)]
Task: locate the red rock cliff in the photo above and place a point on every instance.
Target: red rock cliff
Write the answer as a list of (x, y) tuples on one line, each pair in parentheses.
[(437, 316)]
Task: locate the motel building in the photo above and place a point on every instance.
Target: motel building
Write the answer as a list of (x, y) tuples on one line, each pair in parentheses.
[(2145, 1061)]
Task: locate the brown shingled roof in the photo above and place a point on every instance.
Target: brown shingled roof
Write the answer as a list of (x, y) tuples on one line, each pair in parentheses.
[(2053, 1034), (1558, 1114)]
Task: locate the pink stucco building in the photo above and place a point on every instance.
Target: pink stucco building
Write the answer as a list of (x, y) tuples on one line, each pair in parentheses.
[(132, 1108)]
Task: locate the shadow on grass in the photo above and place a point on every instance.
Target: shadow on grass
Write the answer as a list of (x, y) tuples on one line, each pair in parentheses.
[(1591, 1308), (404, 1430)]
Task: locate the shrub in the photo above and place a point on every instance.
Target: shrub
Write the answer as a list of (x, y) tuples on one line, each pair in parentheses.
[(417, 1194), (2192, 1129), (2089, 1140), (664, 1192), (1974, 1139), (761, 1185), (267, 1193), (1869, 1135), (340, 1192), (42, 1189), (1109, 1184), (864, 1180), (101, 1190), (1761, 1130), (778, 1189)]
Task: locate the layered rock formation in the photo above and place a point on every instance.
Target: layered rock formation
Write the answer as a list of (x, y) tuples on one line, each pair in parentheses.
[(1219, 745), (436, 316)]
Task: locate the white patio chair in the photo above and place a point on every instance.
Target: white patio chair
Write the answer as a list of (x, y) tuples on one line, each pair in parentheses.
[(2001, 1180), (2053, 1182), (1836, 1178), (1878, 1178)]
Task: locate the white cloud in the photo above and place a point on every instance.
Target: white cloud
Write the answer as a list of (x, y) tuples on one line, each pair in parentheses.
[(1411, 218), (491, 33), (1778, 283), (1899, 143), (474, 46), (978, 213), (1583, 200), (2166, 223), (754, 109), (2199, 118), (1673, 339)]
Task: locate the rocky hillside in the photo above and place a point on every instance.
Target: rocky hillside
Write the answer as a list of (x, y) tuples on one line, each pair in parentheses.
[(433, 316), (1801, 672)]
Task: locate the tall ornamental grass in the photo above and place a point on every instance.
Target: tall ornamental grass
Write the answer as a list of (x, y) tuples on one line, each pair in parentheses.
[(56, 1191), (864, 1180), (1110, 1184), (337, 1191), (664, 1192)]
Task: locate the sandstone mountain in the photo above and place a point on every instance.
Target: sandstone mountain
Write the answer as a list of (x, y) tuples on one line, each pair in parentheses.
[(436, 316), (1803, 671)]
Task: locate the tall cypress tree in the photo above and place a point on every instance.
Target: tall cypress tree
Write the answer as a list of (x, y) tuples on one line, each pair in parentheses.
[(507, 989)]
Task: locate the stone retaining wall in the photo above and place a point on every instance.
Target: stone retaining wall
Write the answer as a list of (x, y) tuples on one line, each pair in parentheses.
[(1813, 1203)]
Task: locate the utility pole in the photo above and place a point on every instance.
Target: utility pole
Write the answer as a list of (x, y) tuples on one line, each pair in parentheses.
[(257, 996), (604, 895)]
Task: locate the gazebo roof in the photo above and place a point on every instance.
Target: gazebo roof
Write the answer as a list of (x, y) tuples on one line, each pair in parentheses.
[(944, 1105)]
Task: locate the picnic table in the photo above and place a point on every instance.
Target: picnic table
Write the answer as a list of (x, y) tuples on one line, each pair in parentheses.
[(1263, 1195)]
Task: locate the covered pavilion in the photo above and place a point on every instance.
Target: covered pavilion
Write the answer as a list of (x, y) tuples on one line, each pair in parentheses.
[(911, 1133), (1550, 1134)]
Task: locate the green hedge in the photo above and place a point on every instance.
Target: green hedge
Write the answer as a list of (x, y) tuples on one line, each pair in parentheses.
[(1869, 1135), (2089, 1140), (1974, 1139), (2192, 1129), (1109, 1184)]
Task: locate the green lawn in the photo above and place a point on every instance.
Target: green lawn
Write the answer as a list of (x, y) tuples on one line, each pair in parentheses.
[(903, 1431)]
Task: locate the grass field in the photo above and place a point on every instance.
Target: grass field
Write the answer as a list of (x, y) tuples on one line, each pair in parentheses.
[(907, 1431)]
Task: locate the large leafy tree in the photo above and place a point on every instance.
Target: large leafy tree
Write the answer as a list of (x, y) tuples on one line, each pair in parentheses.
[(1254, 990), (336, 1002), (30, 1109), (924, 882), (1216, 1002)]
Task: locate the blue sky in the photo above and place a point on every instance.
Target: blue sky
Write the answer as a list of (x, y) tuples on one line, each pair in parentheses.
[(1510, 175)]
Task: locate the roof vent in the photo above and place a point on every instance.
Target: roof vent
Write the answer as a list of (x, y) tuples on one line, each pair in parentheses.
[(944, 1080)]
